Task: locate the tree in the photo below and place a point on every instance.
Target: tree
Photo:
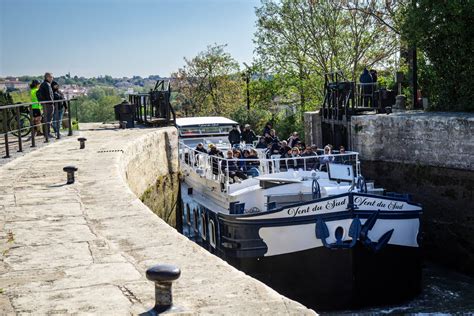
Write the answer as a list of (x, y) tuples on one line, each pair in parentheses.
[(304, 39), (210, 83), (442, 30)]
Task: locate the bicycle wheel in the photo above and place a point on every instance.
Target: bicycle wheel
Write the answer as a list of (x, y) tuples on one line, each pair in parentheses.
[(25, 125)]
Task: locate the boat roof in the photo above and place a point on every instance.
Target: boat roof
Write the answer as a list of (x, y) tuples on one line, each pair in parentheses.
[(204, 120)]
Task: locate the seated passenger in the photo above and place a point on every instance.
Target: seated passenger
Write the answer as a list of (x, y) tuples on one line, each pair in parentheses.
[(229, 166), (326, 158), (284, 147), (240, 160), (261, 143), (295, 162), (252, 159), (215, 161), (342, 159), (310, 163)]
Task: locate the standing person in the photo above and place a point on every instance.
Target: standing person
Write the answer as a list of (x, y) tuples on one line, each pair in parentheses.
[(45, 93), (34, 86), (366, 90), (267, 129), (248, 135), (59, 107), (234, 136)]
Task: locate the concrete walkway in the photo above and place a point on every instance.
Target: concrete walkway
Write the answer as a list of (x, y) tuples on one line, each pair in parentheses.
[(84, 248)]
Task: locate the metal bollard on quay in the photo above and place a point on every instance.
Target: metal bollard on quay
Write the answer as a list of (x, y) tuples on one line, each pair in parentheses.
[(163, 275), (70, 173), (82, 142)]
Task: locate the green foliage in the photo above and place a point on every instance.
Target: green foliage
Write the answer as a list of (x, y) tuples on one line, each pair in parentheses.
[(21, 96), (442, 30), (257, 117), (98, 105), (5, 98), (209, 83), (302, 40)]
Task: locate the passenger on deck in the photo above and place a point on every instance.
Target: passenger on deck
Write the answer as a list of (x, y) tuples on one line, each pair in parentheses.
[(267, 129), (234, 136), (240, 161), (248, 136), (293, 139), (310, 163), (326, 158), (215, 161), (342, 159), (295, 162), (252, 159), (230, 165), (284, 147), (261, 143), (200, 148)]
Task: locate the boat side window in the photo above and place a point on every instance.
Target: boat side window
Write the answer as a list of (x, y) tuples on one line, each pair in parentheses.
[(204, 225), (196, 219), (188, 214), (212, 238)]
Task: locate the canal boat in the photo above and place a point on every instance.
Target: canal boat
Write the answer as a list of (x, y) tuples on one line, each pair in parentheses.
[(310, 227)]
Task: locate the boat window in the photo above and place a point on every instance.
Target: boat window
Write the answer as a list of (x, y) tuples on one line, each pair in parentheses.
[(204, 225), (188, 214), (191, 130), (226, 129), (212, 237), (196, 219), (210, 129)]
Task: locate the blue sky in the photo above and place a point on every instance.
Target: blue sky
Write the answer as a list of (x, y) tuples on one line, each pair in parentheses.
[(119, 37)]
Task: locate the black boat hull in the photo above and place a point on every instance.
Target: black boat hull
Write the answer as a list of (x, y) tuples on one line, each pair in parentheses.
[(323, 278), (319, 277)]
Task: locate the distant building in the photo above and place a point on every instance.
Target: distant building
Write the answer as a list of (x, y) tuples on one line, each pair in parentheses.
[(3, 87), (72, 91), (12, 83)]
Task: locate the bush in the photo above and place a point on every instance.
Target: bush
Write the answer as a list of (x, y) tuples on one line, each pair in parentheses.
[(442, 30)]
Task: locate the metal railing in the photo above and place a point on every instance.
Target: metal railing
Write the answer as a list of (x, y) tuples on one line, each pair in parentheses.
[(18, 120), (154, 108), (222, 170)]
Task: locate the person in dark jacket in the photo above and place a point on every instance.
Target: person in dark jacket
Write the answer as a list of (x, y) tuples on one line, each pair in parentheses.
[(200, 148), (234, 136), (267, 129), (262, 144), (45, 93), (59, 107), (293, 139), (248, 136), (215, 161), (367, 88)]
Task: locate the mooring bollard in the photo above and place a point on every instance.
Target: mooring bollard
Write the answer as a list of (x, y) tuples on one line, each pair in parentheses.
[(70, 173), (123, 124), (82, 142), (163, 275)]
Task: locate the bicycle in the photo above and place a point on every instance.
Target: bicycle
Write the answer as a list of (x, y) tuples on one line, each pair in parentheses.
[(23, 128)]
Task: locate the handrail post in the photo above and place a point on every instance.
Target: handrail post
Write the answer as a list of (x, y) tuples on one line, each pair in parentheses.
[(20, 143), (69, 118), (5, 130), (57, 122), (32, 127)]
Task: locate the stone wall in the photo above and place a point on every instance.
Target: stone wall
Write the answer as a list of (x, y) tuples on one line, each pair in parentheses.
[(150, 167), (312, 129), (431, 156), (430, 139)]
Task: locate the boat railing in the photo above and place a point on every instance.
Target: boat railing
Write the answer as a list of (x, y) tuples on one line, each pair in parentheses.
[(227, 171)]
